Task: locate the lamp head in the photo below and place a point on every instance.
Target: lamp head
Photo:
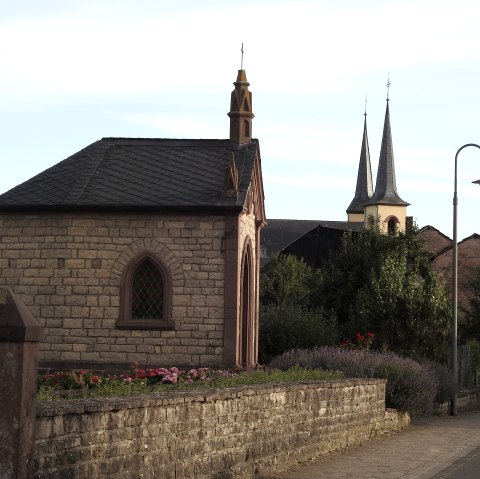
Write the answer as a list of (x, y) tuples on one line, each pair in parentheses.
[(477, 182)]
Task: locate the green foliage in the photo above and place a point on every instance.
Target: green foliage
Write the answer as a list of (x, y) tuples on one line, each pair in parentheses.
[(376, 283), (289, 317), (46, 393), (286, 280), (384, 284), (290, 326)]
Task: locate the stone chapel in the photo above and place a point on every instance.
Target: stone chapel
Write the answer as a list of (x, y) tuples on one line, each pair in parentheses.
[(143, 249)]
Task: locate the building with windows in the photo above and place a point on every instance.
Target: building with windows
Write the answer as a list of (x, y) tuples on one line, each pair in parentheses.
[(143, 249)]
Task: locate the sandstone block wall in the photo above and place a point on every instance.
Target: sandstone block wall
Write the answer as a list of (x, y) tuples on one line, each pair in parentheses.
[(67, 269), (233, 433)]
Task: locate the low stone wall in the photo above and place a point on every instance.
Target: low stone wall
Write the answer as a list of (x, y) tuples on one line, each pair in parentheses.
[(466, 401), (223, 434)]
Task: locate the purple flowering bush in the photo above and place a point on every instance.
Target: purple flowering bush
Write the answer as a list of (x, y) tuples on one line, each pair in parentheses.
[(446, 385), (411, 386)]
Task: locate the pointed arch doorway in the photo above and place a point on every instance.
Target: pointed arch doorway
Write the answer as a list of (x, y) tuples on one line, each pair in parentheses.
[(247, 294)]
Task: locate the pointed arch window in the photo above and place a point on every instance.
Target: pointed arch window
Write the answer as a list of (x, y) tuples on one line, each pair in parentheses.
[(147, 292), (145, 295)]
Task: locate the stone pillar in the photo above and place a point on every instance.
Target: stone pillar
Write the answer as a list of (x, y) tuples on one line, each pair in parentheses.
[(20, 333)]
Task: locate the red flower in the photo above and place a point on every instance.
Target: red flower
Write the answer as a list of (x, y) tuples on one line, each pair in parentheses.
[(95, 379)]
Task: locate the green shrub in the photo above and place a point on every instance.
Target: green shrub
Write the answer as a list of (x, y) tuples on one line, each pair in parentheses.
[(287, 327)]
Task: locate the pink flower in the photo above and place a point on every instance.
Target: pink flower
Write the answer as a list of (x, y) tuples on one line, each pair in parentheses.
[(169, 379)]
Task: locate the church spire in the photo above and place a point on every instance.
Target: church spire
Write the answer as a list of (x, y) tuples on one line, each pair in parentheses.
[(386, 185), (364, 189), (241, 109), (385, 204)]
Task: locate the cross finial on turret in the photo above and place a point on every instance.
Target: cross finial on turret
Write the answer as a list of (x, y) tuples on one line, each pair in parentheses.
[(241, 62), (388, 87), (365, 114)]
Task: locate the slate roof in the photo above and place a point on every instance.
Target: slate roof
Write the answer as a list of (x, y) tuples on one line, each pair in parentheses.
[(386, 186), (126, 173), (320, 243), (364, 189), (280, 233)]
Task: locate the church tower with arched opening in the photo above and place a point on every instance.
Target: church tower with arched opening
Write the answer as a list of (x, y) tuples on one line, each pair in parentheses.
[(384, 203)]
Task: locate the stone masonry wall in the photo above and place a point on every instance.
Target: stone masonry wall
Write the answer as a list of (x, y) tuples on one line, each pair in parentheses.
[(233, 433), (67, 269)]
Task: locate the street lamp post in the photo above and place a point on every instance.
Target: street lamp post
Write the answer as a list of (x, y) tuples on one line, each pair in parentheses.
[(454, 325)]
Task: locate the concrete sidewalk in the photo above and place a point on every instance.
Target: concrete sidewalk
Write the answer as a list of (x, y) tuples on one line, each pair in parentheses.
[(428, 449)]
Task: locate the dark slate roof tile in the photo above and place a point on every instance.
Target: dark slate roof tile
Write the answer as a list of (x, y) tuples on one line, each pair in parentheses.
[(136, 172), (280, 233)]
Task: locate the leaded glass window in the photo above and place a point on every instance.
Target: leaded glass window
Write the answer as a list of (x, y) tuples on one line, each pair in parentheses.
[(147, 292)]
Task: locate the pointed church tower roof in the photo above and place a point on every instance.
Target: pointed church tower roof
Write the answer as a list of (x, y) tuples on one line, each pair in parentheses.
[(386, 186), (240, 113), (364, 189)]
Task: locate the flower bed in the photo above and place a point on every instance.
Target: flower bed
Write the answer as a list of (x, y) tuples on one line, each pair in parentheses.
[(143, 380)]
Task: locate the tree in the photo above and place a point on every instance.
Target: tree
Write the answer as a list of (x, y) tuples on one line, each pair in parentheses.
[(384, 284), (287, 280), (288, 316), (375, 283)]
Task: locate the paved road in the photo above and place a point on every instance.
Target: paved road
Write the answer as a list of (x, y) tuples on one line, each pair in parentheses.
[(468, 467), (431, 448)]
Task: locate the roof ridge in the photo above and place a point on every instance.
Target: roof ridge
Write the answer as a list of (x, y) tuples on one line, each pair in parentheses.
[(75, 195)]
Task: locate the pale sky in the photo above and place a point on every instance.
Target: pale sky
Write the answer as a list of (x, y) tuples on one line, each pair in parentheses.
[(73, 72)]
